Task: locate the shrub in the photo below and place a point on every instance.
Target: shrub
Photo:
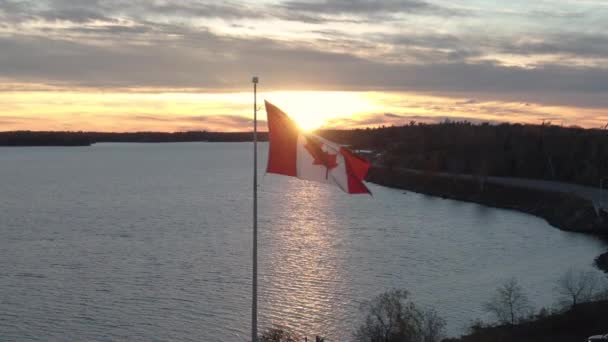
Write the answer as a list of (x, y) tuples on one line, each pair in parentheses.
[(509, 304), (391, 317)]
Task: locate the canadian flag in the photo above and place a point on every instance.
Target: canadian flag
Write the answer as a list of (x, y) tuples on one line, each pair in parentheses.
[(310, 157)]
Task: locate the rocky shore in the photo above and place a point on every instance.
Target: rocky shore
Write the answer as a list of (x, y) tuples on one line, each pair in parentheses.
[(566, 211), (602, 262)]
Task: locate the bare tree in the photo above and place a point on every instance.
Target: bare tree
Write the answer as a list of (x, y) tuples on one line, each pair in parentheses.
[(391, 317), (577, 287), (432, 326), (509, 304), (278, 335)]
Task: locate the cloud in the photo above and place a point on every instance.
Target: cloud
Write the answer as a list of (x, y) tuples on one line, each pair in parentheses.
[(111, 10), (227, 63), (572, 44), (202, 9), (51, 11), (209, 122), (567, 48), (75, 15), (340, 7), (10, 120), (359, 11), (142, 44)]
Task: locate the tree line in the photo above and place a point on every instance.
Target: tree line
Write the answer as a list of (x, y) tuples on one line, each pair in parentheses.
[(546, 151), (55, 138)]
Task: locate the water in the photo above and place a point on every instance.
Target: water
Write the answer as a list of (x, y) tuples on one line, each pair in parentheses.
[(141, 242)]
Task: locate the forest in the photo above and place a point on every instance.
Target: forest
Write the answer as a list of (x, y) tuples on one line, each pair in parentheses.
[(32, 138), (548, 152)]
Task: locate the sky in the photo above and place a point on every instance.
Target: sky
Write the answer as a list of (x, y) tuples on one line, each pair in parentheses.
[(142, 65)]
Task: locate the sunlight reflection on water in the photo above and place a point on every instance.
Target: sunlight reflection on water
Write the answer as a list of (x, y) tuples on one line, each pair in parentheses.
[(153, 242)]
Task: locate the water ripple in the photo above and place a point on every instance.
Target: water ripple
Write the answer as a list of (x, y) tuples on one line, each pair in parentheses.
[(153, 243)]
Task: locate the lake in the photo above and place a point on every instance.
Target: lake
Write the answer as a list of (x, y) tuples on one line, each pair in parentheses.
[(152, 242)]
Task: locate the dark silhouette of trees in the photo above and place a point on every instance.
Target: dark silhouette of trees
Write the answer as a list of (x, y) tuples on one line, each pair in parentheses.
[(577, 287), (29, 138), (509, 304), (278, 335), (549, 152), (282, 334), (563, 326), (391, 317), (26, 138)]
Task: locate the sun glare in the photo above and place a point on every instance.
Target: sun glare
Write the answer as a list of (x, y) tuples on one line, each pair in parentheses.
[(230, 112), (312, 110)]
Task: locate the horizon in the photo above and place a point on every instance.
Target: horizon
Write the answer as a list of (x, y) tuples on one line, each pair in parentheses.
[(154, 66), (263, 129)]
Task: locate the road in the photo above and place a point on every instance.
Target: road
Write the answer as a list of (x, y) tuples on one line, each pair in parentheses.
[(591, 193)]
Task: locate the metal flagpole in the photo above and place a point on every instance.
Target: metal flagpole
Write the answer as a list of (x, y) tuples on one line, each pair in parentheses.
[(254, 279)]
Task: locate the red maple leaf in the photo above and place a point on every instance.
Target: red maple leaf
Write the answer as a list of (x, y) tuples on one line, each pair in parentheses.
[(315, 148)]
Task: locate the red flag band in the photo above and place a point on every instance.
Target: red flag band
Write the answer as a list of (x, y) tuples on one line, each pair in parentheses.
[(294, 153)]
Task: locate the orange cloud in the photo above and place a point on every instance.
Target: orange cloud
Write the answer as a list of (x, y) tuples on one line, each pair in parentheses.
[(180, 111)]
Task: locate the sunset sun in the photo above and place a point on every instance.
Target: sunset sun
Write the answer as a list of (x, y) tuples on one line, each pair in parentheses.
[(315, 109)]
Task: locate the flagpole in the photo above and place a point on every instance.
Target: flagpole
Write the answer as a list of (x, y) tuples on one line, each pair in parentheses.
[(254, 279)]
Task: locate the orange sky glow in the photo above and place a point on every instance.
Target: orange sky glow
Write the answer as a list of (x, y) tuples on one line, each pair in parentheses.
[(179, 111), (177, 66)]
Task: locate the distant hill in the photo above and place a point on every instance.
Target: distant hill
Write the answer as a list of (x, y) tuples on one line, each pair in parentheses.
[(31, 138)]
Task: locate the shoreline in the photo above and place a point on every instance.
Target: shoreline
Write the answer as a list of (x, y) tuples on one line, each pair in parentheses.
[(80, 139), (562, 210), (570, 324)]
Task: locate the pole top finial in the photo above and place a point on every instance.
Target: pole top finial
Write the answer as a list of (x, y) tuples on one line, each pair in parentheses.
[(255, 79)]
